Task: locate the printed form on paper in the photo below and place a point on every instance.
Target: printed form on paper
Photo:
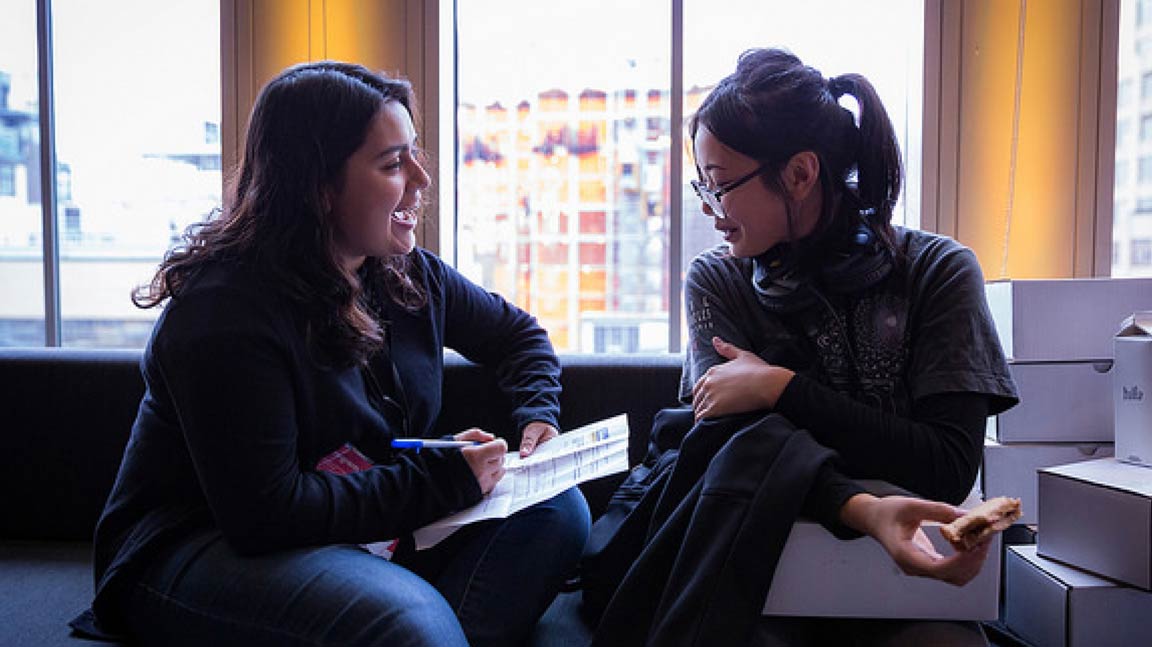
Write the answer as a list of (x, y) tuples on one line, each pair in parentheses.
[(583, 454)]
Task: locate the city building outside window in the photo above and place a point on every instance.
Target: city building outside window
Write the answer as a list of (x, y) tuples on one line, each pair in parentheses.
[(1145, 128), (21, 255), (1124, 91), (1141, 252), (567, 199), (7, 180), (1131, 224), (1143, 12), (137, 149), (1144, 170), (1121, 172)]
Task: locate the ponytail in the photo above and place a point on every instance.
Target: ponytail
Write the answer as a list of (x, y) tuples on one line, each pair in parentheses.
[(878, 164)]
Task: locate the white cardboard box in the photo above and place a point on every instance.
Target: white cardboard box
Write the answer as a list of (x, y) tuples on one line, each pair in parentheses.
[(820, 575), (1132, 390), (1059, 402), (1097, 516), (1063, 319), (1010, 470), (1053, 605)]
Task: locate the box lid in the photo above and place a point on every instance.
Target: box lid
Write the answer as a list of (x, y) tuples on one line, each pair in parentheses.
[(1108, 472), (1138, 324), (1066, 575)]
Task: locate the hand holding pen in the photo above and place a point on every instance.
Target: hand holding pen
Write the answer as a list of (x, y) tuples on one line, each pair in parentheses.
[(483, 451), (533, 435)]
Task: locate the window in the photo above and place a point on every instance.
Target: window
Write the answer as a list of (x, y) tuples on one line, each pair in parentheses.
[(554, 214), (7, 180), (1131, 229), (616, 339), (1144, 170), (137, 151), (1124, 92), (1143, 12), (21, 248), (1141, 252), (591, 123)]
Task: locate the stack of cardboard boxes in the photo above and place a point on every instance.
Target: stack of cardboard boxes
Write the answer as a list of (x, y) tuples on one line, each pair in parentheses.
[(1087, 579)]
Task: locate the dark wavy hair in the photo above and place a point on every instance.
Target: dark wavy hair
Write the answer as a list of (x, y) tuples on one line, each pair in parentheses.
[(304, 126), (773, 106)]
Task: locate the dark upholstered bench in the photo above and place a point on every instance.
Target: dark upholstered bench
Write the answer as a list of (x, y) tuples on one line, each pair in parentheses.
[(65, 416)]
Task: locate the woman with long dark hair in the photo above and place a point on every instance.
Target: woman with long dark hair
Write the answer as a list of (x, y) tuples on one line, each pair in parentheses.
[(303, 332)]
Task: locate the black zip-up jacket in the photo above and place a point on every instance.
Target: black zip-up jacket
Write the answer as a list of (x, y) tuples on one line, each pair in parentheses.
[(237, 412), (719, 519)]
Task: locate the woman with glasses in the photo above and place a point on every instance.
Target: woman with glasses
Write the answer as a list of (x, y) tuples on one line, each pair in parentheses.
[(303, 332), (863, 349)]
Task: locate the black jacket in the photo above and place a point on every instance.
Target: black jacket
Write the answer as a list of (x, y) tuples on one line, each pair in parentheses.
[(719, 521), (237, 412)]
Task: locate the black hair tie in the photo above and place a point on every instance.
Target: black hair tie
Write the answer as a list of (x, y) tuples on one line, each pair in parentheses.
[(838, 86)]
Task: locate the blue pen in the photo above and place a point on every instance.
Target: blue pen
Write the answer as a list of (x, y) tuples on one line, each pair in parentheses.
[(422, 443)]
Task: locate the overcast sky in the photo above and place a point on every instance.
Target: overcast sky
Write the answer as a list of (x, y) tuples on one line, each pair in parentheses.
[(510, 49)]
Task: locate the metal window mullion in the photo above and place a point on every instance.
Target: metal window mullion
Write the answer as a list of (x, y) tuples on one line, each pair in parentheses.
[(448, 207), (48, 181), (675, 177)]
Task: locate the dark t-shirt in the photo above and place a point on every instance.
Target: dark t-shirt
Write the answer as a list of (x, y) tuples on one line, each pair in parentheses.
[(924, 330), (883, 374)]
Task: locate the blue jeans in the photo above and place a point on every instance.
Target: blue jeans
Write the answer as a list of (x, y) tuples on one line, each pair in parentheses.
[(487, 584)]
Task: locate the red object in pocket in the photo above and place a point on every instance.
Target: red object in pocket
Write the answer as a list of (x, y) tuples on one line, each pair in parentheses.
[(347, 460)]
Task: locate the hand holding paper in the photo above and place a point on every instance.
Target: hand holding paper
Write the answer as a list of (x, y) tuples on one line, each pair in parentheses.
[(583, 454)]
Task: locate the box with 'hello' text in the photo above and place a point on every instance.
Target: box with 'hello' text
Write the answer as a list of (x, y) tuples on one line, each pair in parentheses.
[(1132, 390)]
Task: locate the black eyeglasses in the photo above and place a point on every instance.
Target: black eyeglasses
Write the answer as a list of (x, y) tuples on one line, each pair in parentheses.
[(711, 197)]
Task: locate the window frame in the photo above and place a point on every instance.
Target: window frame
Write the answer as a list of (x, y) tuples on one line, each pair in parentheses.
[(442, 31), (429, 24), (49, 198)]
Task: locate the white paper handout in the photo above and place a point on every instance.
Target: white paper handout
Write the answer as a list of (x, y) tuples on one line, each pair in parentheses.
[(583, 454)]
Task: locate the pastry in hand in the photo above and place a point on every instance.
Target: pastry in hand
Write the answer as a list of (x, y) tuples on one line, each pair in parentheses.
[(981, 522)]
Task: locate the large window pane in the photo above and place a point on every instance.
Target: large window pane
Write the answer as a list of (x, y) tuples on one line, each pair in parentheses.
[(564, 135), (137, 89), (563, 147), (835, 37), (1132, 216), (21, 247)]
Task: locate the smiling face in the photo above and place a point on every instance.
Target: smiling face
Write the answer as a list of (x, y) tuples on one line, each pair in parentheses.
[(755, 218), (374, 202)]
